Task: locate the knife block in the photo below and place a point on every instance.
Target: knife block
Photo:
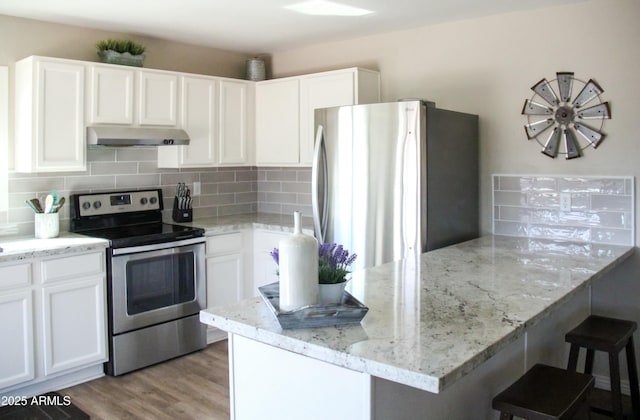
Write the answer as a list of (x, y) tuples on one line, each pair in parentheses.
[(181, 215)]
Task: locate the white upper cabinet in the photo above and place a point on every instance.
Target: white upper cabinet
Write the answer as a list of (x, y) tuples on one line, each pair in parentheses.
[(110, 95), (158, 93), (278, 122), (285, 133), (49, 115), (232, 131), (215, 112), (131, 96), (320, 92), (229, 121), (198, 111)]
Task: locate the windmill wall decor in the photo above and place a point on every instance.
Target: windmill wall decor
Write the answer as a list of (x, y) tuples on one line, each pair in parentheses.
[(562, 125)]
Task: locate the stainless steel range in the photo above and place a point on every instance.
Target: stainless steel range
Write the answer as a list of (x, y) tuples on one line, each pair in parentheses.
[(156, 277)]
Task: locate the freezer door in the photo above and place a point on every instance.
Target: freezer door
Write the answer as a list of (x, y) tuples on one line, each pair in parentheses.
[(368, 186)]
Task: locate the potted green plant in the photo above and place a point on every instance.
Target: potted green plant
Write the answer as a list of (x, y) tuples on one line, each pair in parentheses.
[(333, 268), (120, 51)]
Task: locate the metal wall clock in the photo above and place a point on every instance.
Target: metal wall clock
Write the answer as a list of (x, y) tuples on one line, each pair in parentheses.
[(562, 125)]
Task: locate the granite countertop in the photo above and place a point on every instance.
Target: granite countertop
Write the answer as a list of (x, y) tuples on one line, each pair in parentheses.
[(267, 221), (475, 297), (22, 247)]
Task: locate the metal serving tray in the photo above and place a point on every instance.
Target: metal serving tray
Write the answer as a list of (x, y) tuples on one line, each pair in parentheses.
[(349, 311)]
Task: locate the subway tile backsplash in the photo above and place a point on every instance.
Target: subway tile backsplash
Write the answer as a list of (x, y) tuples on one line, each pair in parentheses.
[(284, 190), (225, 190), (601, 208)]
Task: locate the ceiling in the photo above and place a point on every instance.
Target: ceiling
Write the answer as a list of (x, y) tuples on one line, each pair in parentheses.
[(256, 26)]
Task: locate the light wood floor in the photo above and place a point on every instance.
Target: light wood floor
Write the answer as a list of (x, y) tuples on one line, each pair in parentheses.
[(195, 386)]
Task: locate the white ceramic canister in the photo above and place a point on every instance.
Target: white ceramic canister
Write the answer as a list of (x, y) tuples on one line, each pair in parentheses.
[(47, 225), (298, 266)]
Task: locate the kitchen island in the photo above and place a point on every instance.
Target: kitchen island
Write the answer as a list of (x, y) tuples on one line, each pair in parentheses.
[(445, 332)]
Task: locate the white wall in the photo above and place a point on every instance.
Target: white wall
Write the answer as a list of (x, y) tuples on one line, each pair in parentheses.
[(486, 66), (20, 38)]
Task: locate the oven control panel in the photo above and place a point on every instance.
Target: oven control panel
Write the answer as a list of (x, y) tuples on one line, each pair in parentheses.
[(113, 203)]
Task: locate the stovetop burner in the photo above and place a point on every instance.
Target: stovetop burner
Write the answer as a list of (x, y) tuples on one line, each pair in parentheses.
[(126, 218)]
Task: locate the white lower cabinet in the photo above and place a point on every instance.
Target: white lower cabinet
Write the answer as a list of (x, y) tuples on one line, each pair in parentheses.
[(74, 324), (265, 270), (225, 254), (53, 327), (16, 329), (266, 379)]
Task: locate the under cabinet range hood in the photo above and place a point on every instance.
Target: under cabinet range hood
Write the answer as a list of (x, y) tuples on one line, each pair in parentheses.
[(136, 136)]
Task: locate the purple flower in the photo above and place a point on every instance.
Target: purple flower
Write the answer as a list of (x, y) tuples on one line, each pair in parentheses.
[(275, 254), (333, 262)]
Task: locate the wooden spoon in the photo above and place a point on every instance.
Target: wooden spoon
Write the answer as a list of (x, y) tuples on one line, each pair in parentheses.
[(48, 203)]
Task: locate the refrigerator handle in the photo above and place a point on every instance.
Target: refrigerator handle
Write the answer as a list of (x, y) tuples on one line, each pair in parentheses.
[(319, 216)]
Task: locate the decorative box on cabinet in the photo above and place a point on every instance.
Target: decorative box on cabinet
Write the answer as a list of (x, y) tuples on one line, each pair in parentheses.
[(49, 115), (285, 111)]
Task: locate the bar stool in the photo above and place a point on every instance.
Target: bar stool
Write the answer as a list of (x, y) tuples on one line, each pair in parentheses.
[(545, 393), (609, 335)]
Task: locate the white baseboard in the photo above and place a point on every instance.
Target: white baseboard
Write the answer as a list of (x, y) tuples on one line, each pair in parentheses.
[(214, 335), (57, 383)]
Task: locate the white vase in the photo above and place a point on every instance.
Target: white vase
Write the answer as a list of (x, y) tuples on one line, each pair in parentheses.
[(330, 294), (298, 267)]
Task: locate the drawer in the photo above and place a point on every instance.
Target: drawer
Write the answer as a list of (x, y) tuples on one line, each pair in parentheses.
[(227, 242), (265, 241), (15, 275), (72, 267)]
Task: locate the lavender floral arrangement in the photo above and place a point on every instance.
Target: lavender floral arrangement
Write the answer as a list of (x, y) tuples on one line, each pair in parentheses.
[(333, 262)]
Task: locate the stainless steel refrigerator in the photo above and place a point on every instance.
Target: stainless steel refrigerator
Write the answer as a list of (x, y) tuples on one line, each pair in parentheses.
[(392, 179)]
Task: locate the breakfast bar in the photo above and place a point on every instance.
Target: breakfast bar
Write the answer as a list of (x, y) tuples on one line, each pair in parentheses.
[(445, 332)]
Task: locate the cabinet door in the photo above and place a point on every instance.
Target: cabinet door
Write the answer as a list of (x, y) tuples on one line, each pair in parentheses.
[(199, 111), (73, 319), (49, 125), (224, 279), (60, 141), (264, 268), (277, 122), (16, 330), (111, 95), (158, 93), (321, 91), (232, 130)]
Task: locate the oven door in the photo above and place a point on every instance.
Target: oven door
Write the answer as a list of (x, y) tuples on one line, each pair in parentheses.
[(157, 283)]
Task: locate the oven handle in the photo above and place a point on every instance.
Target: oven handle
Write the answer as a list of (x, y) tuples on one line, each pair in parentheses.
[(156, 247)]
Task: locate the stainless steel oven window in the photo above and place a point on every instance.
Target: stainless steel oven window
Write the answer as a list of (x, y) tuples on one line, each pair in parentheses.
[(150, 285), (159, 282)]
